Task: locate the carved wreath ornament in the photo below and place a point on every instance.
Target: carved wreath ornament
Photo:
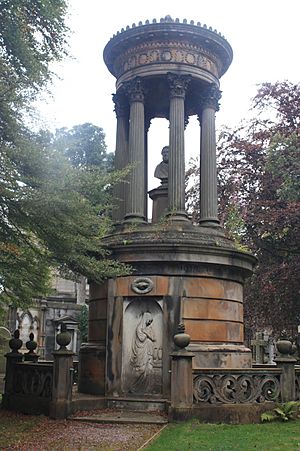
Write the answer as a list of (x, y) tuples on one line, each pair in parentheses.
[(142, 285)]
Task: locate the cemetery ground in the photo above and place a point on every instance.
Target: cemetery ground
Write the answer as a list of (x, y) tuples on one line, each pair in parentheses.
[(33, 433)]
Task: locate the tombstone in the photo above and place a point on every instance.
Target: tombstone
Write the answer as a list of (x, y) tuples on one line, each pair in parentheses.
[(259, 346)]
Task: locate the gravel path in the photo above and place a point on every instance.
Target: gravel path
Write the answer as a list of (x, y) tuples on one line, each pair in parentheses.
[(59, 435)]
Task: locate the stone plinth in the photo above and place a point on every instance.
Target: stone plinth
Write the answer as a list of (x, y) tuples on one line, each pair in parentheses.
[(180, 273), (159, 196)]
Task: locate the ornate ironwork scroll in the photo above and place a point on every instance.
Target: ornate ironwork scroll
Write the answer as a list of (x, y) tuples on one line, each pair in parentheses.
[(237, 388)]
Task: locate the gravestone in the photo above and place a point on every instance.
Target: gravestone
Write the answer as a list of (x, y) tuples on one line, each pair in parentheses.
[(258, 347)]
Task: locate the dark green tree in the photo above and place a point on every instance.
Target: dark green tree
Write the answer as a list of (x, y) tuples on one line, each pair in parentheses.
[(52, 214)]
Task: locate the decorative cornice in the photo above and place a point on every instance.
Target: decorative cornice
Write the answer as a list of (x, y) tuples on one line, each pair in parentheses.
[(167, 30), (168, 19)]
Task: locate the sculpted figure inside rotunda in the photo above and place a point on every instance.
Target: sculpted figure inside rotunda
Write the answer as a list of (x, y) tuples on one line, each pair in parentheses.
[(161, 170), (142, 354)]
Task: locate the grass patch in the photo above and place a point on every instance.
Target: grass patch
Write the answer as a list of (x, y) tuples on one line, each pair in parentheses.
[(224, 437)]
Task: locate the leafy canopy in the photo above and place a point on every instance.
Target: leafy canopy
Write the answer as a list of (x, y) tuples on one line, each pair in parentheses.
[(52, 214)]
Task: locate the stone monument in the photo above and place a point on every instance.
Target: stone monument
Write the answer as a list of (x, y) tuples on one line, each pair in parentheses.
[(181, 272)]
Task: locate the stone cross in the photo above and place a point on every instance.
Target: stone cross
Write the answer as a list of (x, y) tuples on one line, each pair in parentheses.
[(258, 346)]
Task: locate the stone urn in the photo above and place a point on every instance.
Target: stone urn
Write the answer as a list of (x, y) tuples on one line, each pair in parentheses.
[(63, 338), (181, 339), (284, 346)]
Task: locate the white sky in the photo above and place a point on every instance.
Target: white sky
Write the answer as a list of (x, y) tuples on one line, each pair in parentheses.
[(264, 35)]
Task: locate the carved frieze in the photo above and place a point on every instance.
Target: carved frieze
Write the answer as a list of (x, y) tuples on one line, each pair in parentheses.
[(166, 52)]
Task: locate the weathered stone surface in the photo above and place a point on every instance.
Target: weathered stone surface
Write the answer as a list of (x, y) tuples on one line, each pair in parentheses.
[(212, 309)]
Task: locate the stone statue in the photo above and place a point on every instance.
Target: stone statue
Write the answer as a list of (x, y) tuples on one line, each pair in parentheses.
[(142, 354), (161, 171)]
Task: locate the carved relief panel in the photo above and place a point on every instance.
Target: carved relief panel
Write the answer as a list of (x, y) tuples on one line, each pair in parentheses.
[(142, 346)]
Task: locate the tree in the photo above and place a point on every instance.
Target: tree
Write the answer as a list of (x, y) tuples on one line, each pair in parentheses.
[(259, 190), (52, 214), (84, 146)]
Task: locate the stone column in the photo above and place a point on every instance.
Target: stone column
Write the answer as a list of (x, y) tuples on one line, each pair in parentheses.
[(176, 194), (181, 378), (61, 401), (136, 152), (208, 164), (286, 362), (121, 154), (147, 126)]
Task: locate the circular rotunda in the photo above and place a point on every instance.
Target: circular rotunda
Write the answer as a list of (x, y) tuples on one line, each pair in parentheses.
[(181, 272)]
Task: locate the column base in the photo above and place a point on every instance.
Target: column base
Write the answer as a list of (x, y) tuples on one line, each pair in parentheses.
[(209, 222), (134, 218), (177, 216)]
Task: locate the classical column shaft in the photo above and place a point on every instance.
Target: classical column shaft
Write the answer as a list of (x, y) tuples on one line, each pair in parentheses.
[(176, 179), (208, 164), (136, 153), (121, 157)]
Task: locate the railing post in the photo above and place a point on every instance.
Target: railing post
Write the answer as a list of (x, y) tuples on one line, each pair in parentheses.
[(286, 362), (60, 406), (181, 378), (12, 358)]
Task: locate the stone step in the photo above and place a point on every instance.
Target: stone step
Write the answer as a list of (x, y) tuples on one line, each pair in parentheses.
[(138, 404), (85, 402), (121, 417)]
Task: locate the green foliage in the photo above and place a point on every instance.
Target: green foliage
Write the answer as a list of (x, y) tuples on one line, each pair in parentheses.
[(283, 412), (83, 318), (52, 214), (84, 146)]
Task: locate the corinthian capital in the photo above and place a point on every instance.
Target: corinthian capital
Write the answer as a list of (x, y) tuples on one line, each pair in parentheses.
[(178, 84), (210, 97), (134, 90), (121, 104)]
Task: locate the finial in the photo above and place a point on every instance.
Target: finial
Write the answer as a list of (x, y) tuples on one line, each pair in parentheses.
[(15, 343)]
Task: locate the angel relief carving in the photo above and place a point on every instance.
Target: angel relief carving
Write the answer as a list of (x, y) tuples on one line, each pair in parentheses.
[(142, 355), (142, 371)]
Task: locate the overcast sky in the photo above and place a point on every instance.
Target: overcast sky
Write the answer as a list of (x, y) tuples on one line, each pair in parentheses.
[(264, 35)]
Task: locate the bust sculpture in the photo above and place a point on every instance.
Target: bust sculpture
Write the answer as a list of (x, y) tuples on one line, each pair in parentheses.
[(161, 170)]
